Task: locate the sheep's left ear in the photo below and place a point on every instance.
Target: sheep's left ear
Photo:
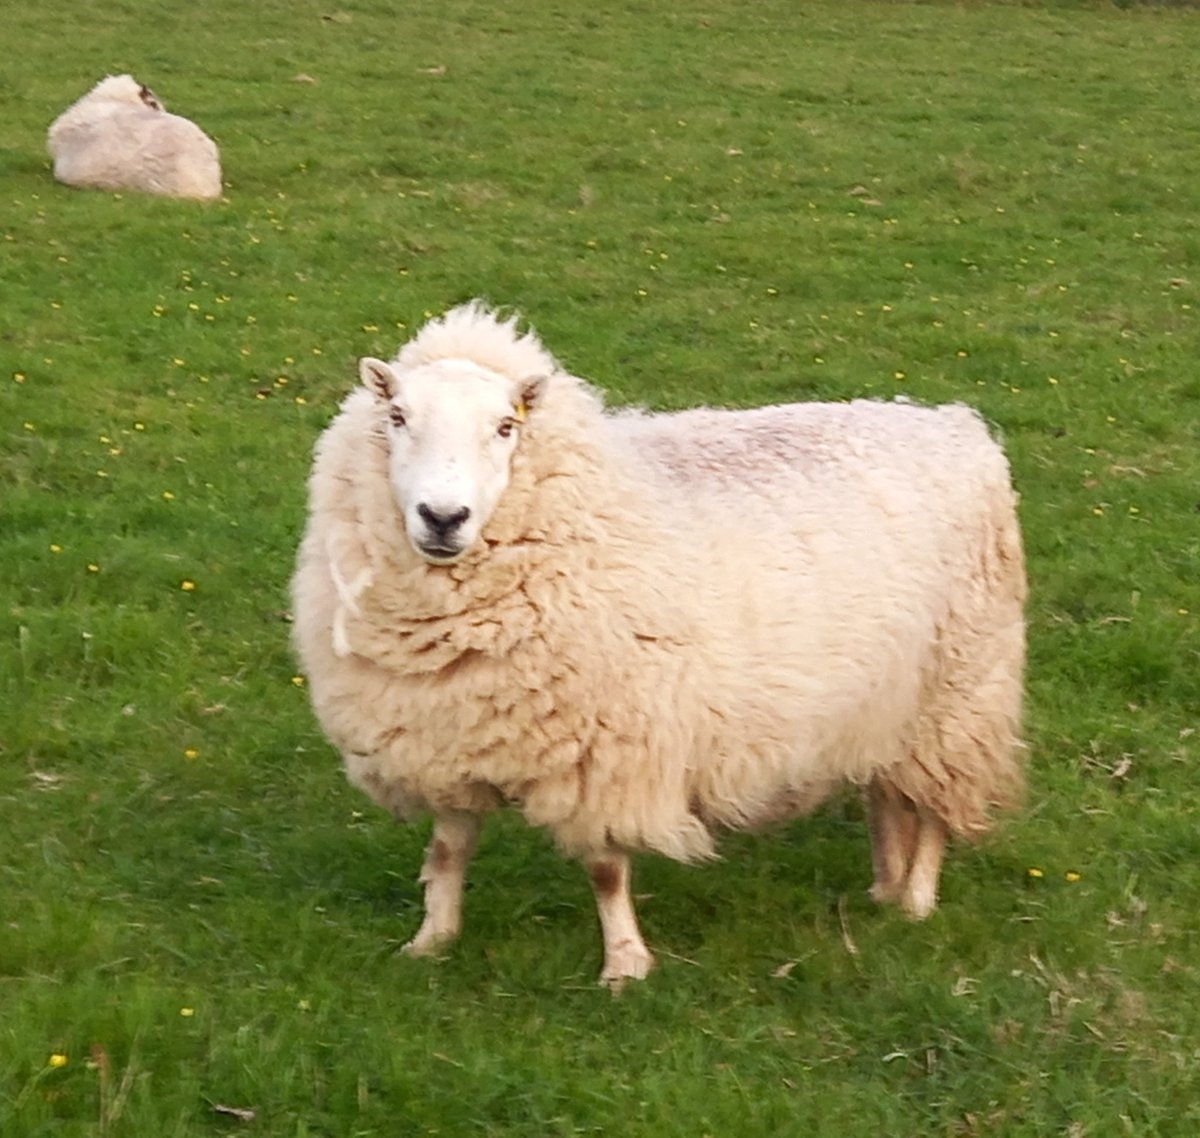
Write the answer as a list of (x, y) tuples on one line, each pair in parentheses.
[(378, 378), (529, 394)]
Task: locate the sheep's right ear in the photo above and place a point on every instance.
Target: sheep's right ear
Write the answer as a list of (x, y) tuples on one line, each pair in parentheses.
[(378, 378)]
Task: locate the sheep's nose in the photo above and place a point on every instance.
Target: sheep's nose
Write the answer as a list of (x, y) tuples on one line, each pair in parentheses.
[(443, 524)]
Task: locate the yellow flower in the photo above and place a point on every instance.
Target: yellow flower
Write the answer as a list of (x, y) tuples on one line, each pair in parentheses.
[(168, 496), (191, 753), (1072, 875), (187, 586), (1033, 871), (298, 681), (55, 547), (93, 567), (301, 400), (57, 1060), (187, 1013)]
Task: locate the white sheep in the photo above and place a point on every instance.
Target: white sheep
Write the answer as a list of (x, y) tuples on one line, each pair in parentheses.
[(120, 137), (640, 629)]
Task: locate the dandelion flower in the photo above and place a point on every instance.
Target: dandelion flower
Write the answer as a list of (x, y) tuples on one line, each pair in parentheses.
[(55, 547), (298, 681), (1034, 872), (93, 567), (57, 1060), (187, 1013), (191, 753), (168, 496), (19, 376), (1072, 875), (188, 586)]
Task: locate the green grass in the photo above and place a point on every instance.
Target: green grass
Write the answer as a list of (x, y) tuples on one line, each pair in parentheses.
[(737, 203)]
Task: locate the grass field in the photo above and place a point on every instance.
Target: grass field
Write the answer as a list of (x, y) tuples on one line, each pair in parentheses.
[(736, 203)]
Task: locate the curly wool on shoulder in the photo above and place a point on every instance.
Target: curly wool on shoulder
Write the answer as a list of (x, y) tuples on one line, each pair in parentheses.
[(642, 629)]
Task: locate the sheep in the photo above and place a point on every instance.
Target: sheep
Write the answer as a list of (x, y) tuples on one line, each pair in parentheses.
[(640, 630), (120, 137)]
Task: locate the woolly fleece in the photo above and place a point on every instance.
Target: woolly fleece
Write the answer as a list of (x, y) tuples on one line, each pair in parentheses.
[(114, 139), (674, 623)]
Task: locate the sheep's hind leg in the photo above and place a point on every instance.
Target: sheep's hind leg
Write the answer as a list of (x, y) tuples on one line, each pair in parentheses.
[(450, 848), (907, 844), (626, 956), (920, 895), (892, 820)]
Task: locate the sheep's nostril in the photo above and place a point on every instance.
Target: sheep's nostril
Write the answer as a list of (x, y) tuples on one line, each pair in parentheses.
[(440, 522)]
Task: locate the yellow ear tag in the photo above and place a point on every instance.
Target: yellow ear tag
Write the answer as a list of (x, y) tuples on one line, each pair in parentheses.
[(521, 412)]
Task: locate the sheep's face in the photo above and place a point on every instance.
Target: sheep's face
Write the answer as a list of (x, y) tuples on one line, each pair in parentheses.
[(452, 429)]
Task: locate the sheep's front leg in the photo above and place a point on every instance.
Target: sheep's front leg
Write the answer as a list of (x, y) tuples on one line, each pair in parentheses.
[(626, 956), (450, 848)]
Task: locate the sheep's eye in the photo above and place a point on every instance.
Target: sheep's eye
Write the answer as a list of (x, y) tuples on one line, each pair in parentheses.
[(396, 416), (506, 427)]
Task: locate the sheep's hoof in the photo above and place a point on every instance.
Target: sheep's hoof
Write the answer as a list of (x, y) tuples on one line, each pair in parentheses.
[(886, 892), (628, 961), (918, 903), (429, 942)]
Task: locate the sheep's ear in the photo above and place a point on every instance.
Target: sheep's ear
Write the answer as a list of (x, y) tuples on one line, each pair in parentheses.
[(529, 395), (378, 378)]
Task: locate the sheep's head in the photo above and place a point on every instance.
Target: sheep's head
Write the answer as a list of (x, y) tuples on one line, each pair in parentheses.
[(124, 89), (150, 98), (453, 426)]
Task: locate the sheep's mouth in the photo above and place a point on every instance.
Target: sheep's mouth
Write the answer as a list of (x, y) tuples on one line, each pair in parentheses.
[(439, 554)]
